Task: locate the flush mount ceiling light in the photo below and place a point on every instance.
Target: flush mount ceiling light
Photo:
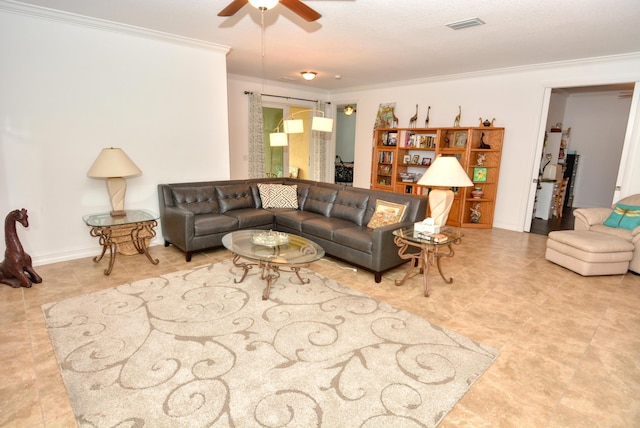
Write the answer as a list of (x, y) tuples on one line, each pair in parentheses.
[(465, 23), (349, 110), (308, 75)]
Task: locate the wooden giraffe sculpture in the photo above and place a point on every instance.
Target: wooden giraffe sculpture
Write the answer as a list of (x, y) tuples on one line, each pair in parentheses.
[(426, 121), (414, 119), (16, 269), (456, 122)]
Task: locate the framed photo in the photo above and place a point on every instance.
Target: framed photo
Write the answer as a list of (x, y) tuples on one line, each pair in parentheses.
[(479, 174), (406, 159), (460, 139), (415, 159), (426, 161), (392, 139)]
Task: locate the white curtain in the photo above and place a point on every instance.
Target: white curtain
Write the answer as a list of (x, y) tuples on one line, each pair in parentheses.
[(256, 137), (319, 142)]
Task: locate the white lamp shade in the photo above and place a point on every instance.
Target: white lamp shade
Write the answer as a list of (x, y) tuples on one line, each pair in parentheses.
[(263, 4), (293, 126), (113, 162), (323, 124), (278, 139), (445, 171)]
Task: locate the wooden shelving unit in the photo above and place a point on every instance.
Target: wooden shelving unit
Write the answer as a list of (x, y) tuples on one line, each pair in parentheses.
[(402, 155)]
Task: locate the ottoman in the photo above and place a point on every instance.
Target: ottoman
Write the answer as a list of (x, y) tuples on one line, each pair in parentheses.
[(589, 253)]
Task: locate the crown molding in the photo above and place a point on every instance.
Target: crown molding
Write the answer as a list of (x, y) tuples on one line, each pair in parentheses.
[(39, 12)]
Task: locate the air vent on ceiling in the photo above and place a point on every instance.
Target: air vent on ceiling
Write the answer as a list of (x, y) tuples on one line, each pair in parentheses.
[(471, 22)]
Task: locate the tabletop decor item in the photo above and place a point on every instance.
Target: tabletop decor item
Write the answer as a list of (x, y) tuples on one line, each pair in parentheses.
[(270, 238)]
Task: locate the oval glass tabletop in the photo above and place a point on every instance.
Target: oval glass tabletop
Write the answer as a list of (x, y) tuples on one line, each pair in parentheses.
[(298, 250)]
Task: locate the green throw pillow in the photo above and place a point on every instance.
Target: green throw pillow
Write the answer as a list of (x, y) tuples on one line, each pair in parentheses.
[(624, 217)]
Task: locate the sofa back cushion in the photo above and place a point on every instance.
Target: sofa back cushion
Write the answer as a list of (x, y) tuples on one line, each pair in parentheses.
[(320, 200), (350, 206), (234, 197), (197, 199)]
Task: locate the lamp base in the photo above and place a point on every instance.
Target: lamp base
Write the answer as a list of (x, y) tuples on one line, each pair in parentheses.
[(440, 202), (119, 213)]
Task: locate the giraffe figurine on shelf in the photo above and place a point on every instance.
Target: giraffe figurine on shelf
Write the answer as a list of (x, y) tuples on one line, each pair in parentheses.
[(456, 121), (414, 119), (426, 121)]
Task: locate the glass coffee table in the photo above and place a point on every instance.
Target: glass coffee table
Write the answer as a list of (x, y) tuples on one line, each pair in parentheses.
[(430, 250), (272, 252)]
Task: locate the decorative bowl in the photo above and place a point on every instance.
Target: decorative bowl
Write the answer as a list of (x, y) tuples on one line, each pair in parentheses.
[(270, 238)]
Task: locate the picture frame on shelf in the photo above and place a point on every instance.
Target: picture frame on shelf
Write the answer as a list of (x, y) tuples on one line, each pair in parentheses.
[(479, 174), (426, 161), (415, 160), (406, 159), (392, 139), (460, 139)]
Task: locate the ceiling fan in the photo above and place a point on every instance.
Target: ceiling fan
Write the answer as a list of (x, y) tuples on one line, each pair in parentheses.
[(296, 6)]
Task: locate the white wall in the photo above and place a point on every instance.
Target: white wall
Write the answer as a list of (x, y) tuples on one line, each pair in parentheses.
[(70, 86), (598, 124), (515, 97)]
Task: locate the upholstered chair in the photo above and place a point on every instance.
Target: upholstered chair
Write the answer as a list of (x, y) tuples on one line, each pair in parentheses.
[(617, 222)]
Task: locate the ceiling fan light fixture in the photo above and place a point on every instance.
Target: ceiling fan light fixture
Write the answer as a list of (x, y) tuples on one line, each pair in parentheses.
[(308, 75), (349, 110), (263, 4)]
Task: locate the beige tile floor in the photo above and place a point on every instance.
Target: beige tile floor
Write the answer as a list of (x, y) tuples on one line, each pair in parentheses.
[(569, 345)]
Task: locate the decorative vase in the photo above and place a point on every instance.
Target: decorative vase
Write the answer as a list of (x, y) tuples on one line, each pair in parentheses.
[(477, 193)]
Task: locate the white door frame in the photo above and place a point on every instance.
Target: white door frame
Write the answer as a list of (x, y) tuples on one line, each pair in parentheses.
[(630, 149)]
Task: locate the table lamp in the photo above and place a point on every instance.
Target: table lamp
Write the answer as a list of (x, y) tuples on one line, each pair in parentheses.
[(114, 164), (445, 171)]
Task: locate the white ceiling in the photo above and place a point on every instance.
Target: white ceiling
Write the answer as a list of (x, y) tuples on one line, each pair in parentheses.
[(370, 42)]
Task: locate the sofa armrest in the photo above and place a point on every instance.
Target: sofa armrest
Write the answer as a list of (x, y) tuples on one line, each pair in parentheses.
[(587, 217), (178, 226), (383, 241)]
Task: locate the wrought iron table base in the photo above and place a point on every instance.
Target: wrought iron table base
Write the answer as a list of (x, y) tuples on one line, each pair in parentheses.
[(138, 235), (269, 272), (423, 260)]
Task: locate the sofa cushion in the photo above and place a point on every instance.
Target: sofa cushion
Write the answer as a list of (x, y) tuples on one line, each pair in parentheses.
[(197, 199), (278, 195), (252, 218), (294, 219), (350, 206), (624, 216), (358, 238), (324, 227), (208, 224), (320, 200), (386, 213), (234, 197)]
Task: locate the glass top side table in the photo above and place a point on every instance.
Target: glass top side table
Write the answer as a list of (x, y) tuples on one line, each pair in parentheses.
[(431, 250), (128, 234)]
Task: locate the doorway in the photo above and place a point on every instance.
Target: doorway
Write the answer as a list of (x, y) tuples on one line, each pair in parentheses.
[(345, 143), (585, 132)]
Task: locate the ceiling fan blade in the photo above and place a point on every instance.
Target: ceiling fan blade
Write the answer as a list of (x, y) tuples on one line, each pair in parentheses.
[(233, 7), (301, 9)]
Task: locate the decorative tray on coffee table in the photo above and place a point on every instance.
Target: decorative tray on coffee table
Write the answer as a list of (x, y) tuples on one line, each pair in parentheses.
[(270, 238)]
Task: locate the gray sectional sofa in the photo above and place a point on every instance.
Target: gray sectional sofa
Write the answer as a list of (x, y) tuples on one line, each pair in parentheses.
[(195, 217)]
